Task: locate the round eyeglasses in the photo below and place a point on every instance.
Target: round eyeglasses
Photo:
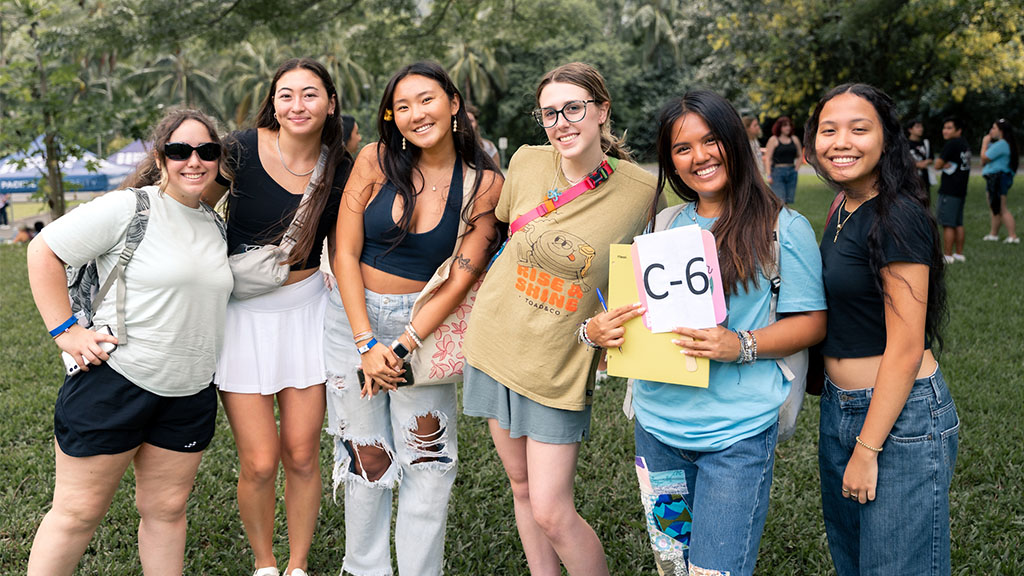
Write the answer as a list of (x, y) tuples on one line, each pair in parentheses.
[(573, 111)]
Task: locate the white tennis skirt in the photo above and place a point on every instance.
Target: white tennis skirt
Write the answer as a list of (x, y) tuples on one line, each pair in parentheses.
[(274, 341)]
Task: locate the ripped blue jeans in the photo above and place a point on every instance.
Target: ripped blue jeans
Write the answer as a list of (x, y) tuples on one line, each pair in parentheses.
[(422, 465), (705, 511)]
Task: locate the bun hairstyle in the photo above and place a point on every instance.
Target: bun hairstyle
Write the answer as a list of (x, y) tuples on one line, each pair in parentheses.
[(152, 170), (587, 77)]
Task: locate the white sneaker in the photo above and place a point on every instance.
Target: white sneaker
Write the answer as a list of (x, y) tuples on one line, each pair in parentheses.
[(948, 259), (268, 571), (1012, 240), (297, 572), (959, 258), (990, 238)]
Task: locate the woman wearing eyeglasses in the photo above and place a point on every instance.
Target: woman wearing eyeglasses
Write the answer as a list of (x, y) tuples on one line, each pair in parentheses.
[(533, 340), (148, 403), (274, 342)]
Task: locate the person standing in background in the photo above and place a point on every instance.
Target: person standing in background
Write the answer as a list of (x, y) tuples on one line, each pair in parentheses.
[(955, 163), (782, 159), (999, 160), (488, 146), (754, 134), (921, 152)]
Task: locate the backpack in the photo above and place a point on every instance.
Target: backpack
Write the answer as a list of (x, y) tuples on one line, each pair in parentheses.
[(84, 289), (794, 366)]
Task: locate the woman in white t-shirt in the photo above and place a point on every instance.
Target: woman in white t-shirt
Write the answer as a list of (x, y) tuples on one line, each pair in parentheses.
[(149, 403)]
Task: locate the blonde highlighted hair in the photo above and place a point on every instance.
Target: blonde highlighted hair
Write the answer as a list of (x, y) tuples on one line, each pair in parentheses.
[(587, 77)]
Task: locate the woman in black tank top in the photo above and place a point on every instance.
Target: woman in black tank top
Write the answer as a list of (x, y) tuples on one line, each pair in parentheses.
[(782, 159), (398, 229)]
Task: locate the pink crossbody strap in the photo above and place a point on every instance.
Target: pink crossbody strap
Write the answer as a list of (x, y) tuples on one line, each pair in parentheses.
[(555, 200)]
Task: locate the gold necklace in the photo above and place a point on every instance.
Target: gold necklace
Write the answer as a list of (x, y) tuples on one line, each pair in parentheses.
[(839, 220)]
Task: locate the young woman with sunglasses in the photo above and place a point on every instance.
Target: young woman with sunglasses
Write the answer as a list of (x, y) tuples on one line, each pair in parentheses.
[(888, 433), (409, 195), (531, 347), (705, 456), (149, 402), (274, 344)]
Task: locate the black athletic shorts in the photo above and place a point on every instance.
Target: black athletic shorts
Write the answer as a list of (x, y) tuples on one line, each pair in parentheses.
[(102, 412)]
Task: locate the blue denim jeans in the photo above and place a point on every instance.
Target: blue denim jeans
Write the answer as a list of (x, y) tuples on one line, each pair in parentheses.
[(705, 511), (784, 183), (905, 530), (424, 466)]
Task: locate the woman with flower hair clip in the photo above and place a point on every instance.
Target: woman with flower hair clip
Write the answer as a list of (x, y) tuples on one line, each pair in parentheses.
[(398, 229)]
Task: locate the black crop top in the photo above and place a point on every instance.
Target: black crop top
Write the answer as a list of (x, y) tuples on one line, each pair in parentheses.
[(856, 311), (260, 209), (784, 153), (418, 255)]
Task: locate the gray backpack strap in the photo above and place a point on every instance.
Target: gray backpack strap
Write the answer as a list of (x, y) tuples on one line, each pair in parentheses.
[(222, 227), (136, 232), (771, 270), (665, 218)]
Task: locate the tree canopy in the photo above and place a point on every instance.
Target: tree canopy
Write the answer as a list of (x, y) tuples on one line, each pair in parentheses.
[(88, 71)]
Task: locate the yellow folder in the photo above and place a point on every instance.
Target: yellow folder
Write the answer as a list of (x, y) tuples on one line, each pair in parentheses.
[(645, 355)]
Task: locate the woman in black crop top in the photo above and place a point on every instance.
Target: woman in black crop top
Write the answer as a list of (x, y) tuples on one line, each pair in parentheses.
[(398, 223), (782, 158), (273, 345), (888, 429)]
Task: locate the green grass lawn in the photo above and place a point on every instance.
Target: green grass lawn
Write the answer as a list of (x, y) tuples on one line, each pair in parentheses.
[(983, 362)]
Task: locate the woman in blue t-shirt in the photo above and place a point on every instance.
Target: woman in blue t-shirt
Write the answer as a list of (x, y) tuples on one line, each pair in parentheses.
[(1000, 159), (705, 455), (888, 430)]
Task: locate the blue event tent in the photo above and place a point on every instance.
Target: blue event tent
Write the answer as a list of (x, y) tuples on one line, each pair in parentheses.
[(130, 156), (25, 179)]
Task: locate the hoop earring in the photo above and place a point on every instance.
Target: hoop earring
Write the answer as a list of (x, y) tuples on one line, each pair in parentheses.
[(455, 124), (403, 142)]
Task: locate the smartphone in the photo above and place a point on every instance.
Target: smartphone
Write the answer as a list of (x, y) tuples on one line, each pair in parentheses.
[(71, 367), (407, 375)]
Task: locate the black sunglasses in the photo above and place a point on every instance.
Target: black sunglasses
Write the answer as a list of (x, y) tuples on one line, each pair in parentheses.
[(181, 151)]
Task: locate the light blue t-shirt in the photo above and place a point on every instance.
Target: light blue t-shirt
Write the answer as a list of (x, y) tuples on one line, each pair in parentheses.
[(740, 400), (998, 153)]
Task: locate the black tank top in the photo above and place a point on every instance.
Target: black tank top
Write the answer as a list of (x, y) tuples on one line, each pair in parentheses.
[(418, 255), (784, 153)]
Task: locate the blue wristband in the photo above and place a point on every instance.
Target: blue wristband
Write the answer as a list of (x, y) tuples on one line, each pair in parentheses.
[(64, 327), (366, 347)]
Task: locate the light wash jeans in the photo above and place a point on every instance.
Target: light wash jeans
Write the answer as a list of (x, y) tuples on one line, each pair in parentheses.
[(388, 421), (705, 511), (905, 530)]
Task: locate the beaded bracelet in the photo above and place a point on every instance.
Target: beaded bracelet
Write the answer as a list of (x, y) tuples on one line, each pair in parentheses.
[(868, 446), (753, 345), (412, 334), (583, 338)]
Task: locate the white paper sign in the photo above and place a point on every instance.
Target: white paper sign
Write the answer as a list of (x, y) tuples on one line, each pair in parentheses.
[(673, 281)]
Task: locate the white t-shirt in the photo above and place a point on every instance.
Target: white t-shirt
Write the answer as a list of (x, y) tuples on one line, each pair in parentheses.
[(178, 284)]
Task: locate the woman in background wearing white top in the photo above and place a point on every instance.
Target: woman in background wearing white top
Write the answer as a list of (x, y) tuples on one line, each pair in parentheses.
[(150, 402)]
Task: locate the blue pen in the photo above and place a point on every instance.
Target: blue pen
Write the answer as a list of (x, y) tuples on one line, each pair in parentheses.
[(600, 298)]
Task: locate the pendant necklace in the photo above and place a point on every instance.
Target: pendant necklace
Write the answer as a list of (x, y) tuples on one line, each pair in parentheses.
[(839, 220), (281, 156)]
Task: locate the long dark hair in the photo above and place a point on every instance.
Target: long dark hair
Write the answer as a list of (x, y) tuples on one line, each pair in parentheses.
[(587, 77), (151, 170), (743, 231), (399, 164), (897, 180), (1007, 129), (330, 136)]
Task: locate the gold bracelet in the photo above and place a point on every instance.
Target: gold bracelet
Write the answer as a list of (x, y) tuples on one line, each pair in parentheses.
[(868, 446)]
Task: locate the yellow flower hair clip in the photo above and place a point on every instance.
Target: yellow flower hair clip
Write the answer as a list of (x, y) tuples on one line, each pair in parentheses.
[(388, 115)]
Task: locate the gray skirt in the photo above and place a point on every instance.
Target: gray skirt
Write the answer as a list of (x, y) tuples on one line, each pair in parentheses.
[(485, 397)]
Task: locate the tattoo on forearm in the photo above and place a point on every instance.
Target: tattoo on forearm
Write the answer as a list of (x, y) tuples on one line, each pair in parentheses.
[(465, 264)]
